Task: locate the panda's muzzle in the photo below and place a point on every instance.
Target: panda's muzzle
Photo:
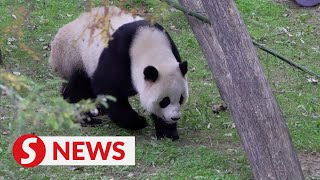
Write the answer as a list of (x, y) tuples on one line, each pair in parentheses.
[(175, 118)]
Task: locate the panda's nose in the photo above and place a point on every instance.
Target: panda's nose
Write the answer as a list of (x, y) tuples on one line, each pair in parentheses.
[(175, 118)]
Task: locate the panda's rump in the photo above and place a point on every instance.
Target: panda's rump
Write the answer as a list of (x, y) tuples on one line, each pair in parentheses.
[(79, 44), (64, 57)]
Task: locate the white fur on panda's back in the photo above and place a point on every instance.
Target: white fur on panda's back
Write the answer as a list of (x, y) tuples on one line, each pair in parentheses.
[(79, 43), (90, 52)]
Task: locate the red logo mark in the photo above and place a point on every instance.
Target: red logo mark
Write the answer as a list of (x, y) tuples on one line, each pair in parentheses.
[(29, 150)]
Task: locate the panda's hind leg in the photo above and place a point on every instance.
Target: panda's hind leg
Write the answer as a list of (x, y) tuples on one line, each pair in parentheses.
[(77, 88)]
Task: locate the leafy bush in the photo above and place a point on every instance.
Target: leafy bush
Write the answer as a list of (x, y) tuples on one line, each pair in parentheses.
[(39, 109)]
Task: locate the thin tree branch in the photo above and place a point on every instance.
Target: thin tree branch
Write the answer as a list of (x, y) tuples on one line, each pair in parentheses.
[(187, 11), (285, 59)]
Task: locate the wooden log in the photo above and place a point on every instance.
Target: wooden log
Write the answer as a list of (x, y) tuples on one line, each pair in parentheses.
[(243, 86)]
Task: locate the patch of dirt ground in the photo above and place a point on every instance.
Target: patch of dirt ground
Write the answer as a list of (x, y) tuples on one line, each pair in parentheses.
[(310, 164)]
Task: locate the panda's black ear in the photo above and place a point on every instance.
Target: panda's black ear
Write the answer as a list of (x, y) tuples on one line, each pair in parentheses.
[(183, 67), (150, 73)]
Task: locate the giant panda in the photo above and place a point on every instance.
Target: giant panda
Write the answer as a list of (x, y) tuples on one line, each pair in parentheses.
[(140, 58)]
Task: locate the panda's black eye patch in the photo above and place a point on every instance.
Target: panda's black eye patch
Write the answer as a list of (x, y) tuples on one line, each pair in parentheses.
[(165, 102), (181, 99)]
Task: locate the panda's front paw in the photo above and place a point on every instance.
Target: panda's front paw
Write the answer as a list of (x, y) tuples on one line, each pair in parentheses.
[(167, 132), (139, 123), (133, 123), (164, 130)]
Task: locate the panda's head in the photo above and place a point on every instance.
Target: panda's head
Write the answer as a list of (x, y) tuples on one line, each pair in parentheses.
[(165, 90)]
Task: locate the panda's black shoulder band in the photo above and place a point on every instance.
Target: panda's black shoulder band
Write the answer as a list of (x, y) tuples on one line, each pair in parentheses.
[(184, 67)]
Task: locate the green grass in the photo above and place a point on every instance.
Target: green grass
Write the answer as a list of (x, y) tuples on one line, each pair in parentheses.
[(209, 147)]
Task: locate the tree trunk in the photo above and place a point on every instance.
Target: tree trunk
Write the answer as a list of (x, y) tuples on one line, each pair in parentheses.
[(242, 84)]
